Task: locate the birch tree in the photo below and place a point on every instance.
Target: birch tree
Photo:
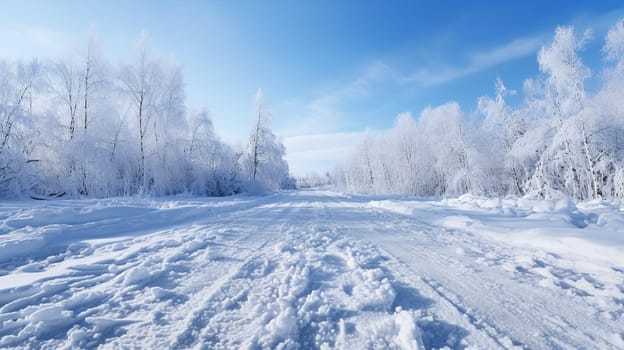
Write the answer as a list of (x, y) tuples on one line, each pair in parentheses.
[(267, 168), (139, 81)]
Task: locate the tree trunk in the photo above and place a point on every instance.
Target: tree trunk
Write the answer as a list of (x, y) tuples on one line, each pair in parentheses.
[(141, 149), (256, 159)]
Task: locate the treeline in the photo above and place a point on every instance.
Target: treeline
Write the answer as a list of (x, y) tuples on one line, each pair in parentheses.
[(81, 126), (563, 140), (314, 179)]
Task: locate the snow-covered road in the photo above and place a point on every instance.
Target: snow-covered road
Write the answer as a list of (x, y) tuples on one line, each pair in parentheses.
[(311, 269)]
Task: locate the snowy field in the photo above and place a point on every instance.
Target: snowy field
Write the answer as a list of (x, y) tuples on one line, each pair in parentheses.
[(311, 269)]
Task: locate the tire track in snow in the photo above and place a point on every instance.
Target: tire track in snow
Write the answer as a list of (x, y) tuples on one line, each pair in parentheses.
[(324, 290), (210, 273), (199, 318), (504, 307), (297, 270), (127, 275)]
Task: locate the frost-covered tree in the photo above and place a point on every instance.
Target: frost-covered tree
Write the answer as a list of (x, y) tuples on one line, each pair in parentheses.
[(430, 157), (608, 112), (405, 136), (446, 143), (502, 126), (139, 81), (213, 164), (357, 173), (18, 132), (567, 164), (75, 83), (167, 129), (265, 164)]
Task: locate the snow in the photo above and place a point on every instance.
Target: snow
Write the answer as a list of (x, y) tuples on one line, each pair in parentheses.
[(311, 269)]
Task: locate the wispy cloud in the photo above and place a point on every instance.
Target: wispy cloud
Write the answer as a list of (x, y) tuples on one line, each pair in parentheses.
[(477, 62), (359, 86), (597, 23), (326, 112), (32, 41), (319, 152)]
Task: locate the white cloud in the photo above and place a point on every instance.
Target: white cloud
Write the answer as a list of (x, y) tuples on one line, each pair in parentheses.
[(477, 62), (319, 152)]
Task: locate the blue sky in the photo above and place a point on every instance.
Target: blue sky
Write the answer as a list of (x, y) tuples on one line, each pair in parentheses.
[(329, 69)]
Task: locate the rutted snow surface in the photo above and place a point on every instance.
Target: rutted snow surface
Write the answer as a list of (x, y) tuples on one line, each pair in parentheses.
[(311, 269)]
